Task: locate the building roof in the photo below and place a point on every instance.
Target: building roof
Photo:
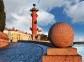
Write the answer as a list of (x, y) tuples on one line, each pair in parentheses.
[(13, 29)]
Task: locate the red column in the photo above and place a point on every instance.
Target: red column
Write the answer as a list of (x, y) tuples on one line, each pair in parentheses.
[(34, 21)]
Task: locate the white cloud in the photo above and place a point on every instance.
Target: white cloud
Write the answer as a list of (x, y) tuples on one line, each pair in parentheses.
[(23, 22), (18, 12), (18, 15), (20, 22), (46, 33), (45, 18), (50, 4), (79, 38), (76, 12)]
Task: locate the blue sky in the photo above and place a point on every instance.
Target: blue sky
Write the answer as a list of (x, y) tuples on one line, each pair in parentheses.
[(50, 12), (61, 16)]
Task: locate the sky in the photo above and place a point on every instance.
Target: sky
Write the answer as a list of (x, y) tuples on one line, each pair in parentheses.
[(50, 12)]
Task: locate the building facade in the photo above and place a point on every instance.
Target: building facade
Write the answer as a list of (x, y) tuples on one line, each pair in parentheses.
[(16, 35)]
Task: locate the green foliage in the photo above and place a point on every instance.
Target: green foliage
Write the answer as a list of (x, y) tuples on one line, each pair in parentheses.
[(2, 26), (2, 16), (44, 37)]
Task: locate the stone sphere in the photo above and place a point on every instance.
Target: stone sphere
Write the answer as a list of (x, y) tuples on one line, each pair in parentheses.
[(3, 40), (61, 35)]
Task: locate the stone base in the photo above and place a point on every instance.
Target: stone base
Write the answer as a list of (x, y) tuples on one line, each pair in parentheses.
[(62, 55), (61, 51), (62, 58)]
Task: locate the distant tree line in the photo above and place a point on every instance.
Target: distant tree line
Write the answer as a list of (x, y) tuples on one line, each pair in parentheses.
[(43, 37)]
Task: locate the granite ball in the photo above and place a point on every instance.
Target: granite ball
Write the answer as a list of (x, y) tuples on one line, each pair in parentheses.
[(61, 35), (3, 40)]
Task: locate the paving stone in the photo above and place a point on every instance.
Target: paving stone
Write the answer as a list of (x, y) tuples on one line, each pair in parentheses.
[(21, 52)]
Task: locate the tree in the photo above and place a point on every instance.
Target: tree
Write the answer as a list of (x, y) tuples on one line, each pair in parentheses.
[(2, 16), (44, 37)]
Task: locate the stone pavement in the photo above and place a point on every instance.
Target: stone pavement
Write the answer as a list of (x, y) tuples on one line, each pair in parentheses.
[(21, 52)]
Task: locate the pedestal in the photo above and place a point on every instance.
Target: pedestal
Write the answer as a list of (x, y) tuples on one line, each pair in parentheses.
[(62, 55), (61, 51)]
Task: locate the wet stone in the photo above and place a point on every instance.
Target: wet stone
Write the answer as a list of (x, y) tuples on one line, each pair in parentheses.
[(21, 52)]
